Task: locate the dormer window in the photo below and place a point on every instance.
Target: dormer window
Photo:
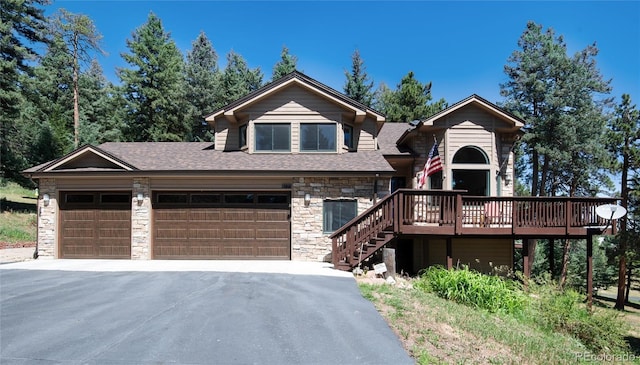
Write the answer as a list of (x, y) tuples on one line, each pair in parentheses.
[(318, 137), (273, 137)]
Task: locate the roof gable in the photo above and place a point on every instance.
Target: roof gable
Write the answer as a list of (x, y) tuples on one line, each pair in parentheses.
[(512, 123), (305, 82), (481, 103), (88, 158)]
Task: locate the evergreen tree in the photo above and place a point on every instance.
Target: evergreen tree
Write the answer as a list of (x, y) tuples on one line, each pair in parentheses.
[(81, 37), (410, 101), (557, 96), (202, 76), (153, 87), (237, 80), (623, 142), (51, 97), (22, 27), (286, 65), (99, 119), (358, 85)]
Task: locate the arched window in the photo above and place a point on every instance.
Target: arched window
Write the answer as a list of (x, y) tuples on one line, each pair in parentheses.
[(470, 154), (470, 169)]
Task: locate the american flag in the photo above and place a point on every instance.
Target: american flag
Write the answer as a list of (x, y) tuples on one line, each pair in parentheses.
[(432, 166)]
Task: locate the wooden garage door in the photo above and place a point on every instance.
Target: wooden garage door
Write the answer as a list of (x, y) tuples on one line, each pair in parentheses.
[(95, 225), (221, 225)]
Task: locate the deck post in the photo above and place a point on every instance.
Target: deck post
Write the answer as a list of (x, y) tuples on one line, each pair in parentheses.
[(552, 259), (525, 261), (449, 254), (589, 268)]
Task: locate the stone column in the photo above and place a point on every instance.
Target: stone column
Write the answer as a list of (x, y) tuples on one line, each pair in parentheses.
[(47, 219), (141, 220)]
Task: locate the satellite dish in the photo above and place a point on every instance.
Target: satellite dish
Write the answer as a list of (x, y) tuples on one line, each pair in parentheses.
[(610, 211)]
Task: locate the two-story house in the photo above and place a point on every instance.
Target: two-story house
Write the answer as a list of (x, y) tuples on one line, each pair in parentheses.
[(292, 163)]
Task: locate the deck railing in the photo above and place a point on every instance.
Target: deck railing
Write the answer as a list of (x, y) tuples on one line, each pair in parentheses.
[(450, 213)]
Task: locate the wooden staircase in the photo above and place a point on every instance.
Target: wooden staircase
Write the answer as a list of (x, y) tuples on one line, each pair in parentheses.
[(364, 235)]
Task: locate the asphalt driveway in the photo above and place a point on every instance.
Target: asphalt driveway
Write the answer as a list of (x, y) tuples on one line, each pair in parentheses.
[(187, 317)]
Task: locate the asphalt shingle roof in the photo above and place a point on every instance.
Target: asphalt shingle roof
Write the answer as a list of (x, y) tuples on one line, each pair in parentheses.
[(198, 156), (389, 136)]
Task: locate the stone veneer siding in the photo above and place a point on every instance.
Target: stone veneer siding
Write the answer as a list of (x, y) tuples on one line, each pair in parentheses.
[(308, 241), (141, 220), (47, 219)]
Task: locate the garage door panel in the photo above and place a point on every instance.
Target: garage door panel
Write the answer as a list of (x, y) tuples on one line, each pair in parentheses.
[(172, 215), (277, 234), (226, 229), (114, 233), (78, 250), (204, 215), (237, 215), (98, 225), (81, 233), (204, 234), (114, 251), (173, 233), (239, 233)]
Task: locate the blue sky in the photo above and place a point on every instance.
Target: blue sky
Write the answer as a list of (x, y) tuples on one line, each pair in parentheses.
[(461, 47)]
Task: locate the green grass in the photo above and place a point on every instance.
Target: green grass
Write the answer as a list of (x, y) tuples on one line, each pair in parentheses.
[(17, 214), (436, 330)]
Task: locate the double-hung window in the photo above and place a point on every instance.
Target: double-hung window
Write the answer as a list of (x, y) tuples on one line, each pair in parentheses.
[(273, 137), (338, 212), (318, 137)]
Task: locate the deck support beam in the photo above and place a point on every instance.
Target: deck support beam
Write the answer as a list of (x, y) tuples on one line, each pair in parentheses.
[(525, 261), (590, 233), (449, 254)]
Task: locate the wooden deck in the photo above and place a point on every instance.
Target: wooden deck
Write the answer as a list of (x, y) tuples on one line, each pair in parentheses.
[(451, 213)]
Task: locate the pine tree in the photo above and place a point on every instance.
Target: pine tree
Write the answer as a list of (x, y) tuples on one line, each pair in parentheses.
[(22, 28), (557, 96), (237, 80), (623, 142), (202, 77), (100, 121), (153, 87), (286, 65), (81, 37), (358, 85), (410, 101)]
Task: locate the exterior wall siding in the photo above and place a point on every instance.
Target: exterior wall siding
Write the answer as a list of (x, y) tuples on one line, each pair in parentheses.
[(295, 105), (483, 254)]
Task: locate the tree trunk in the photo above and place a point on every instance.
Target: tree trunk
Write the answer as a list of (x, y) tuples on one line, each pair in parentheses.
[(76, 97), (622, 268), (629, 272), (565, 263)]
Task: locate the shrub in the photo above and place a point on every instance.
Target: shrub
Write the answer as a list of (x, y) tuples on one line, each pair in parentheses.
[(563, 311), (491, 293)]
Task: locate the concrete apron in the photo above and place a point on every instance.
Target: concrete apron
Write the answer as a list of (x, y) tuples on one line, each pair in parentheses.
[(242, 266)]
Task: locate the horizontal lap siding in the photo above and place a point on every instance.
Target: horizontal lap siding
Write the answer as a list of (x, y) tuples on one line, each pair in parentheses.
[(205, 184), (483, 254)]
